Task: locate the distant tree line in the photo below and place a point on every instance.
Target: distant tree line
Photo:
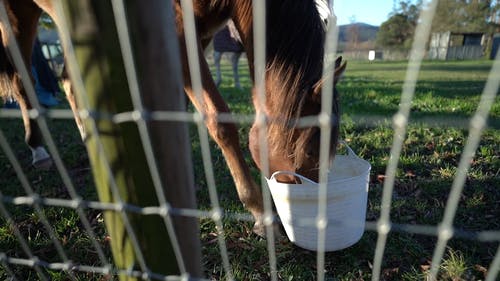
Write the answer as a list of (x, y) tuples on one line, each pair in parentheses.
[(451, 15)]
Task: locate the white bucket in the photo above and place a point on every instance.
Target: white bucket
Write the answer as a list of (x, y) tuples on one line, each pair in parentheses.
[(347, 192)]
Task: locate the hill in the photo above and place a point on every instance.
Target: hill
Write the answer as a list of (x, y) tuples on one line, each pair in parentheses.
[(364, 32)]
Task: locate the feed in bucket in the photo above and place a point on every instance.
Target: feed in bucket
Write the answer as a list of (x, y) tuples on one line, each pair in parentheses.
[(347, 194)]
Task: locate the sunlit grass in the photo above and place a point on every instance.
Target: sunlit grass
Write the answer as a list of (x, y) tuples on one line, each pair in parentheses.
[(454, 266), (446, 96)]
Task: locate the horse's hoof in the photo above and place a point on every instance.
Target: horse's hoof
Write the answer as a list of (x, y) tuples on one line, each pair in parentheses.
[(44, 164), (260, 229)]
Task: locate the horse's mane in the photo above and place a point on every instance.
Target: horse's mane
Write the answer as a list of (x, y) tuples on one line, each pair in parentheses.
[(295, 40)]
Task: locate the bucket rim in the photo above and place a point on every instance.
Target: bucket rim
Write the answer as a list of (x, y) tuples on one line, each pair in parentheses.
[(302, 178), (350, 154)]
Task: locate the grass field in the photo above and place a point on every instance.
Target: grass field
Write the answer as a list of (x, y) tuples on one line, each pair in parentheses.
[(446, 97)]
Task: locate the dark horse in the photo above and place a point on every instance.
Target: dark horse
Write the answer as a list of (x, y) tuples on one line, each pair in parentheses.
[(295, 37), (227, 40)]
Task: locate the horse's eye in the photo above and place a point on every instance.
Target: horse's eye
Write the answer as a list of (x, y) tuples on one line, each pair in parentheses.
[(312, 151), (309, 153)]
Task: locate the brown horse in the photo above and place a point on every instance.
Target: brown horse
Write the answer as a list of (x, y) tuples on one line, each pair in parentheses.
[(295, 37)]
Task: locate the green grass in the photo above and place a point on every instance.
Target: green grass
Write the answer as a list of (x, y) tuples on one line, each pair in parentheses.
[(446, 96)]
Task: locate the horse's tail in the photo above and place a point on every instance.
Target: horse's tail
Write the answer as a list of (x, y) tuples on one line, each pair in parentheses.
[(6, 72)]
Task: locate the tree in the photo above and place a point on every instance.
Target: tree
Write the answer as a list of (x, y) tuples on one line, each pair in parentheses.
[(397, 32), (464, 16), (412, 11), (495, 17)]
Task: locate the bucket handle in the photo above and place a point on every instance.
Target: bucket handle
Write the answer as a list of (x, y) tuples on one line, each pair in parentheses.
[(350, 152)]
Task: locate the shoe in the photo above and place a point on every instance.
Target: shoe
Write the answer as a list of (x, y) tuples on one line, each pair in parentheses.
[(11, 103)]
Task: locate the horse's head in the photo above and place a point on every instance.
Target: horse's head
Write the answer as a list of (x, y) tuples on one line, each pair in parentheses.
[(293, 146), (294, 63)]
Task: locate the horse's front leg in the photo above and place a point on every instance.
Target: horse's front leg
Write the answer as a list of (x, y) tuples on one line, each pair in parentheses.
[(32, 135), (24, 15), (211, 105), (70, 96)]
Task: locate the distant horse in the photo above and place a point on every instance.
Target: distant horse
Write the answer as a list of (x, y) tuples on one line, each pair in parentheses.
[(227, 40), (295, 37)]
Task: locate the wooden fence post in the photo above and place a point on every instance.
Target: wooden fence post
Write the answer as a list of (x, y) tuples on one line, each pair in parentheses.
[(154, 38), (94, 35)]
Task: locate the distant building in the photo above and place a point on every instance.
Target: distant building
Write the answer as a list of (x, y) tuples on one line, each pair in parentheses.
[(456, 46)]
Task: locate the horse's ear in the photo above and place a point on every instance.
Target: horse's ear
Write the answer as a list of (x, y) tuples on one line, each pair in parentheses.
[(340, 67), (338, 61)]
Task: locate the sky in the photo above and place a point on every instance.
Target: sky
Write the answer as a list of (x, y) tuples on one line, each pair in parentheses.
[(373, 12)]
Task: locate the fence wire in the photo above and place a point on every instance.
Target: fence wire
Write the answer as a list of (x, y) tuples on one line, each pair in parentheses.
[(383, 226), (400, 124)]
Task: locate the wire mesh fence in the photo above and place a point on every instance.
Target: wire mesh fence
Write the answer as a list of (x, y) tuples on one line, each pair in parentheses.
[(68, 262)]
